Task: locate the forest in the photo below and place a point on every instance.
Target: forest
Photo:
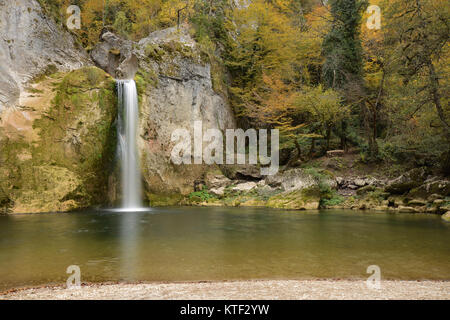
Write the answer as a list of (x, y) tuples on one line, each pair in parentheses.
[(323, 72)]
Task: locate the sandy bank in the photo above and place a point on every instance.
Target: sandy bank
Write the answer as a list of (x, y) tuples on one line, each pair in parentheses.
[(270, 289)]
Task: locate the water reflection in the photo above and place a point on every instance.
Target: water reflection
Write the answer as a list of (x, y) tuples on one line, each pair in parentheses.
[(130, 229), (183, 244)]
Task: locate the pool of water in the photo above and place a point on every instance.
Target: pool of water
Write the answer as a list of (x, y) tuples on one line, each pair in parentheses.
[(184, 244)]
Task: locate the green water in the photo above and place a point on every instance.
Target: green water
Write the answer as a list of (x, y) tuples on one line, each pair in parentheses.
[(182, 244)]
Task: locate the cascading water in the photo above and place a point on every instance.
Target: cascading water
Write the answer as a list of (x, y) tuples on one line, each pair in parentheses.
[(128, 121)]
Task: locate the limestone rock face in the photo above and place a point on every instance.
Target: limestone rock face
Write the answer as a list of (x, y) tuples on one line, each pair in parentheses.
[(57, 151), (32, 44), (115, 55), (175, 86), (175, 89)]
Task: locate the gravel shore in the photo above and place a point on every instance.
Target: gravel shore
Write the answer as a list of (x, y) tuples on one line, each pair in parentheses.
[(252, 290)]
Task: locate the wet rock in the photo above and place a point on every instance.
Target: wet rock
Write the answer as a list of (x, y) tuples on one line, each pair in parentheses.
[(417, 203), (406, 209), (446, 216), (305, 199)]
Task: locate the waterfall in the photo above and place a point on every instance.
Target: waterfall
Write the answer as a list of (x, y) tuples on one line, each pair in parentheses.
[(128, 121)]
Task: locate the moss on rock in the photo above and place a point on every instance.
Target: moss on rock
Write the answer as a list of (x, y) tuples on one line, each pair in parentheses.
[(68, 166), (165, 200), (305, 199)]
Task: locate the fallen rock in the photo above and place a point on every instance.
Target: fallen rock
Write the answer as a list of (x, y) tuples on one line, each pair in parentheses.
[(365, 190), (434, 196), (305, 199), (217, 191), (417, 203), (446, 216), (411, 179), (218, 181), (291, 180), (438, 188), (406, 209), (360, 182), (244, 187)]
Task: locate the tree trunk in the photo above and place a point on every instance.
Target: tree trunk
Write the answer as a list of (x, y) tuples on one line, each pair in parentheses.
[(297, 157), (328, 137), (313, 144), (344, 136), (434, 82)]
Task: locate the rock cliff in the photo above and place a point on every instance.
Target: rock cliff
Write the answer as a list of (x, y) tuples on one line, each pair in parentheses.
[(32, 45)]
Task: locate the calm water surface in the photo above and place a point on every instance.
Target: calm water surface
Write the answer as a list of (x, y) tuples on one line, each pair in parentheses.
[(181, 244)]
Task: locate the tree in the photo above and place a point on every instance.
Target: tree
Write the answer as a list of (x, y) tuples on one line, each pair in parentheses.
[(342, 45), (324, 107), (342, 49), (421, 30)]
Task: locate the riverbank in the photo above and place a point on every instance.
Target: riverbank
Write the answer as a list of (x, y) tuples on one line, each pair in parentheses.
[(251, 290)]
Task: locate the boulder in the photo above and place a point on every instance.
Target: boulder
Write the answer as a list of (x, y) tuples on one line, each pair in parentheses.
[(218, 181), (438, 188), (417, 203), (220, 191), (407, 181), (446, 216), (305, 199), (406, 209), (360, 182), (291, 180), (244, 187), (365, 190)]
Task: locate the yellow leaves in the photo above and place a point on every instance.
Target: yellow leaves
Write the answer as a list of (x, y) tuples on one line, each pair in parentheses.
[(263, 26), (325, 106)]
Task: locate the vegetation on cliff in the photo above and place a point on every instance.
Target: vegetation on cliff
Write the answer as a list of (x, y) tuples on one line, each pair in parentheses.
[(67, 165)]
